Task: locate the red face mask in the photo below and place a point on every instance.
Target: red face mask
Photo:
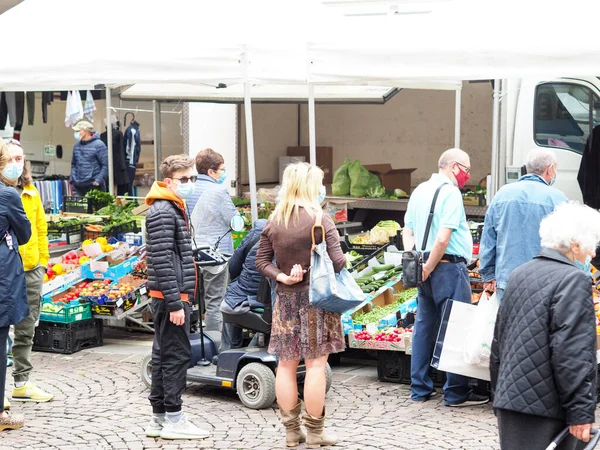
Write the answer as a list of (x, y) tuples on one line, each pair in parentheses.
[(462, 177)]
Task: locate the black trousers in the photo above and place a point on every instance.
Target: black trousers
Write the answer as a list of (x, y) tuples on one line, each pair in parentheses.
[(171, 355), (3, 356), (520, 431)]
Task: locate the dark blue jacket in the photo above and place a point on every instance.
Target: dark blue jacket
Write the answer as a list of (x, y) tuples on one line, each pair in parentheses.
[(13, 293), (132, 144), (243, 272), (90, 162)]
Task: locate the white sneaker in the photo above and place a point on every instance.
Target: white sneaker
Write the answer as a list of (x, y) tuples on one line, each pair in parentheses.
[(183, 429), (154, 427)]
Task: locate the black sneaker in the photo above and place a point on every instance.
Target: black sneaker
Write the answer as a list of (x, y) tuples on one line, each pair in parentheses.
[(433, 394), (473, 400)]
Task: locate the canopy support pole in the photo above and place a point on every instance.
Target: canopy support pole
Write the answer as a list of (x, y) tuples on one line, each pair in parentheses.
[(457, 117), (156, 124), (250, 149), (495, 122), (109, 144), (312, 128)]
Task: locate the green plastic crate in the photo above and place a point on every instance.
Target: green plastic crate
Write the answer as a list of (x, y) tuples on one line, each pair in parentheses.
[(68, 314), (238, 237)]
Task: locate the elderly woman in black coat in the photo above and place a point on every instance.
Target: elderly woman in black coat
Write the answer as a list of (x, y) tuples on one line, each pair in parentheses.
[(543, 363), (15, 229)]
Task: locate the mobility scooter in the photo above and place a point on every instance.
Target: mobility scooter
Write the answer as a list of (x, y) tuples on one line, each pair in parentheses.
[(250, 371)]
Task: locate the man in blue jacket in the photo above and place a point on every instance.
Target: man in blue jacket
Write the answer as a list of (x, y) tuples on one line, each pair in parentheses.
[(89, 166), (241, 292), (511, 233)]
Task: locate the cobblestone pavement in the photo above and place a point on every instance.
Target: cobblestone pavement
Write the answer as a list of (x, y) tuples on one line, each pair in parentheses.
[(101, 403)]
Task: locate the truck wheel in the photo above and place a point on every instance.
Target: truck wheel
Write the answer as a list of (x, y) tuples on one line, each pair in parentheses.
[(146, 370), (256, 386)]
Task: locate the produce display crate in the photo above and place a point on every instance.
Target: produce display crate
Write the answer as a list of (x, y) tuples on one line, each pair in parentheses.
[(394, 367), (474, 200), (68, 313), (64, 234), (369, 254), (131, 226), (68, 338), (80, 205)]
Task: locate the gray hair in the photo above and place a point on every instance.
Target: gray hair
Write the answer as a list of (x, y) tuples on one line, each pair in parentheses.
[(571, 222), (539, 159), (450, 156)]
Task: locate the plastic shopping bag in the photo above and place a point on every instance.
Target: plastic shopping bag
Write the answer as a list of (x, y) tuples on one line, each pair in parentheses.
[(478, 339), (449, 353)]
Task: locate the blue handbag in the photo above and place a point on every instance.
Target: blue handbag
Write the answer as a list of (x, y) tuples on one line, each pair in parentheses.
[(334, 292)]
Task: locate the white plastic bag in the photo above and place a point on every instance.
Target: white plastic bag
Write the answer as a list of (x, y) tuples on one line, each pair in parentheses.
[(479, 336)]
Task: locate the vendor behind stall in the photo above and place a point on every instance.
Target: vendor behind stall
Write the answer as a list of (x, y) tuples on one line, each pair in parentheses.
[(213, 210)]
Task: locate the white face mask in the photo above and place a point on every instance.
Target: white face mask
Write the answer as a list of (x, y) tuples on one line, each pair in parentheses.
[(322, 194)]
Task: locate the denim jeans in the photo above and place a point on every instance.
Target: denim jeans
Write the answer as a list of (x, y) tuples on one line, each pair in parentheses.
[(499, 294), (448, 281)]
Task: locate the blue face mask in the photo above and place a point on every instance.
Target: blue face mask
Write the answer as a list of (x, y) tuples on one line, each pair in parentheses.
[(185, 190), (223, 177), (322, 194), (12, 171), (586, 266), (76, 136)]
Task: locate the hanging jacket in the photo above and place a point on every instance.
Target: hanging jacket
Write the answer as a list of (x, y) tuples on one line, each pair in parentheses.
[(171, 268), (90, 162), (589, 170), (543, 358), (13, 293), (243, 272), (119, 164), (35, 252), (132, 144)]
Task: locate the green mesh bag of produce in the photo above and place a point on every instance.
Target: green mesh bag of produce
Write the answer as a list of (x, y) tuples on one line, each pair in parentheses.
[(361, 180), (341, 180)]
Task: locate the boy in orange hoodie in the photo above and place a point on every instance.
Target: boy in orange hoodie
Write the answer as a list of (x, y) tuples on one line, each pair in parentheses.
[(172, 283)]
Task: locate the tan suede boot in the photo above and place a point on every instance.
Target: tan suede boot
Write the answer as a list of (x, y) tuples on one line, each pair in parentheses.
[(291, 421), (316, 436)]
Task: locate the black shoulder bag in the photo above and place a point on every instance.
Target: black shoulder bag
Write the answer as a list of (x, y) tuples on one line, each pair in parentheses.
[(412, 260)]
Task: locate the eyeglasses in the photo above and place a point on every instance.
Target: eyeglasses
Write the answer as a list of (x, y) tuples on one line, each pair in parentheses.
[(220, 170), (184, 180), (465, 168), (14, 142)]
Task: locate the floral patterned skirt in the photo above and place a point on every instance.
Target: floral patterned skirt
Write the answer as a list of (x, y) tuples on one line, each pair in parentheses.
[(301, 331)]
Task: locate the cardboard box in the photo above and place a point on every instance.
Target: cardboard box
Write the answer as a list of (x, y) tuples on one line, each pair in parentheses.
[(284, 161), (124, 303), (392, 178), (324, 159), (61, 281), (100, 268)]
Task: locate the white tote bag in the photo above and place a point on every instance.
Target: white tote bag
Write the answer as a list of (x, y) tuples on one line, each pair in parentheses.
[(464, 339)]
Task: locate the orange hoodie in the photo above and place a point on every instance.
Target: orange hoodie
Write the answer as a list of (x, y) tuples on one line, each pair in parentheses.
[(160, 191)]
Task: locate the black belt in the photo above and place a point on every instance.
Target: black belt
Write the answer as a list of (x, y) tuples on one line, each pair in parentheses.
[(448, 258)]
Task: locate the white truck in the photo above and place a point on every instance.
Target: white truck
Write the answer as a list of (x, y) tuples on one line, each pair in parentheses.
[(556, 113)]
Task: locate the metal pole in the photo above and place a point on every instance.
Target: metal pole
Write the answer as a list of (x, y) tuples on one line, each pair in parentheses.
[(109, 144), (156, 123), (312, 128), (250, 149), (502, 133), (495, 117), (457, 116)]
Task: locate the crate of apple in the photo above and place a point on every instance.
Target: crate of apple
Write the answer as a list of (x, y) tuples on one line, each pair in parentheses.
[(93, 288), (75, 258)]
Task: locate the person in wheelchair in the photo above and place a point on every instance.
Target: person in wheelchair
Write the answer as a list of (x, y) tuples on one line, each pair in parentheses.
[(241, 294)]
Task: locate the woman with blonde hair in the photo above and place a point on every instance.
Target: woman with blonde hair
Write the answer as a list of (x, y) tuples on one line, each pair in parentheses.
[(15, 230), (300, 331)]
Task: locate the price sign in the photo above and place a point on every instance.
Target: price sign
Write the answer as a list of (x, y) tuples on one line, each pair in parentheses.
[(49, 150)]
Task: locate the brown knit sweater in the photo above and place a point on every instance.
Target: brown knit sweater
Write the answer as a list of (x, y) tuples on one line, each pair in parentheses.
[(292, 246)]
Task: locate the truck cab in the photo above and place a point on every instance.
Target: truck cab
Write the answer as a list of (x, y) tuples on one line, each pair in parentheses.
[(556, 113)]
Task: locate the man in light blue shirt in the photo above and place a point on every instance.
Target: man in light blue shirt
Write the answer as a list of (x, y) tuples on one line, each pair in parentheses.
[(448, 249), (511, 233)]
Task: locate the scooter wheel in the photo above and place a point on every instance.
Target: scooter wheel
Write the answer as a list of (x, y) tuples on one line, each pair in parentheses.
[(256, 386), (328, 381), (146, 370)]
